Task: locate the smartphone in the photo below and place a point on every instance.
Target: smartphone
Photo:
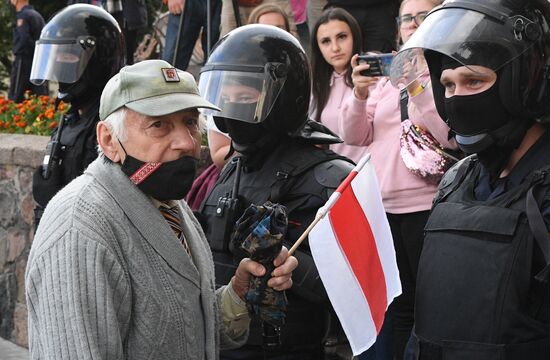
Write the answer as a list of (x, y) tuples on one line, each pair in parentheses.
[(379, 64)]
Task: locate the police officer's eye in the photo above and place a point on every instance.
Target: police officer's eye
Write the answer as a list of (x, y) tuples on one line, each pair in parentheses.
[(475, 82), (245, 99), (449, 86)]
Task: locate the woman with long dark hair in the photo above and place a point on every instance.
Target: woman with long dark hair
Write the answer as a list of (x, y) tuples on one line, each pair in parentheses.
[(336, 37)]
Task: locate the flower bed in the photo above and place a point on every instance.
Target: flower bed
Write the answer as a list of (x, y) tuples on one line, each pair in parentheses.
[(34, 115)]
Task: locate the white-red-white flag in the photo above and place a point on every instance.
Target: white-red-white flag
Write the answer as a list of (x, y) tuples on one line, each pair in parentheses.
[(353, 249)]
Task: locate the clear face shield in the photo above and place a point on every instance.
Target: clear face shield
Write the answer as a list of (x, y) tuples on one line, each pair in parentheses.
[(61, 61), (468, 36), (246, 94)]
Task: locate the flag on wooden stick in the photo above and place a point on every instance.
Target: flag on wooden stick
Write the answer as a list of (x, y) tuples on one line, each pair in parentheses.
[(353, 249)]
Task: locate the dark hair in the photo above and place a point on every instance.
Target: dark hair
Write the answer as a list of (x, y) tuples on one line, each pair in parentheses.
[(321, 70)]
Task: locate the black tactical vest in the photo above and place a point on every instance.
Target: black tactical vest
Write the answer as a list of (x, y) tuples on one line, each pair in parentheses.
[(477, 294), (300, 177), (77, 149)]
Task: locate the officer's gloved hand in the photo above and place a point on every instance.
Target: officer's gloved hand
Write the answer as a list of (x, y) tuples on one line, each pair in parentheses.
[(45, 189)]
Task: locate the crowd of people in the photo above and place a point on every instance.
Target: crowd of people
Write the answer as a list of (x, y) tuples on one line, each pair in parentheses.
[(122, 268)]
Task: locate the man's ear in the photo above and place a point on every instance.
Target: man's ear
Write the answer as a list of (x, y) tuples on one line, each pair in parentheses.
[(107, 142)]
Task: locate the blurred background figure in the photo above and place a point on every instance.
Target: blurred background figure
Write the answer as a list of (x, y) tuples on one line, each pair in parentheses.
[(182, 32), (372, 117), (270, 14), (232, 17), (131, 15), (299, 8), (376, 19), (26, 30), (336, 37), (314, 10)]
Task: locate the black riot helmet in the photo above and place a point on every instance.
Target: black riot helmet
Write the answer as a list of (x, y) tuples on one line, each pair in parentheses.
[(510, 37), (81, 48), (272, 68)]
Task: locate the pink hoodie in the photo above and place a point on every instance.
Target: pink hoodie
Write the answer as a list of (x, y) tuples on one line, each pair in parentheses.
[(339, 92), (376, 123)]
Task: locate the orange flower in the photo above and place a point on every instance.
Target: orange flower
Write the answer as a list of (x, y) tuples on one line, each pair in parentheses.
[(52, 125), (61, 106), (16, 118), (49, 113), (21, 124), (1, 124)]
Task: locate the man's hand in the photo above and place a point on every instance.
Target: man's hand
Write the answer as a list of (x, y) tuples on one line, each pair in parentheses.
[(176, 6), (281, 277)]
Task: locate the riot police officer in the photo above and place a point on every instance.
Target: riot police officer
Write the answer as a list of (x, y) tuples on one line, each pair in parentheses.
[(484, 271), (259, 76), (26, 30), (81, 48)]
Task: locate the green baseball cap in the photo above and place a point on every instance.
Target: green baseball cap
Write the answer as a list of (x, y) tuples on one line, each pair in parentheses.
[(153, 88)]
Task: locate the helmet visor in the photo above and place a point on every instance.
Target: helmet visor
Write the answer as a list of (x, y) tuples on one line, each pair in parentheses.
[(467, 36), (241, 95), (61, 62)]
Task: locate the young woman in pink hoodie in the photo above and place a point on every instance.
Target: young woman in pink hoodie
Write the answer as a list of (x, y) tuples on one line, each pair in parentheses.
[(336, 37), (371, 117)]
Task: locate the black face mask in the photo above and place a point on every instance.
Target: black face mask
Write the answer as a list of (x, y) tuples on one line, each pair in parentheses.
[(476, 114), (243, 133), (163, 181)]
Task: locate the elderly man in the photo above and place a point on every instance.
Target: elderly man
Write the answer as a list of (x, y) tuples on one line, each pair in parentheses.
[(119, 269)]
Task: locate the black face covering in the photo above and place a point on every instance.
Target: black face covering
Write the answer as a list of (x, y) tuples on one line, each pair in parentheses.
[(163, 181), (476, 114), (79, 94), (243, 133), (242, 111)]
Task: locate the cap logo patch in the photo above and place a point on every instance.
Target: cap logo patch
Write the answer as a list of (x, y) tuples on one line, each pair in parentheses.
[(170, 74)]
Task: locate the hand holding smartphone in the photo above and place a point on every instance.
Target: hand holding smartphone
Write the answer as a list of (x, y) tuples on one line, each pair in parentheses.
[(379, 64)]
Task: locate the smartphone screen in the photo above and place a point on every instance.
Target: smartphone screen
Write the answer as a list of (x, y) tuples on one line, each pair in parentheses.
[(379, 64)]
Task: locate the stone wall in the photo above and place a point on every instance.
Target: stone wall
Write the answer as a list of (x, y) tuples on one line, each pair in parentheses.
[(19, 156)]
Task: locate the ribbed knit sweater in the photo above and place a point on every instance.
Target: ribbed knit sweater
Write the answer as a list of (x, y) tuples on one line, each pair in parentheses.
[(107, 278)]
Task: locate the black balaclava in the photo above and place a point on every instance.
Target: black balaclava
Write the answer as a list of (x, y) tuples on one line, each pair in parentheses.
[(483, 116)]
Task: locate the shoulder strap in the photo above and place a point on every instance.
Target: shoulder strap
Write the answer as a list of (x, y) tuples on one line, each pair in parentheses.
[(403, 103), (453, 178), (533, 203), (294, 166)]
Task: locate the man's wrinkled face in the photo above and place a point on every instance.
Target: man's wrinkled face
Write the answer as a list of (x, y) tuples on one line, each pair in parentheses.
[(162, 138)]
